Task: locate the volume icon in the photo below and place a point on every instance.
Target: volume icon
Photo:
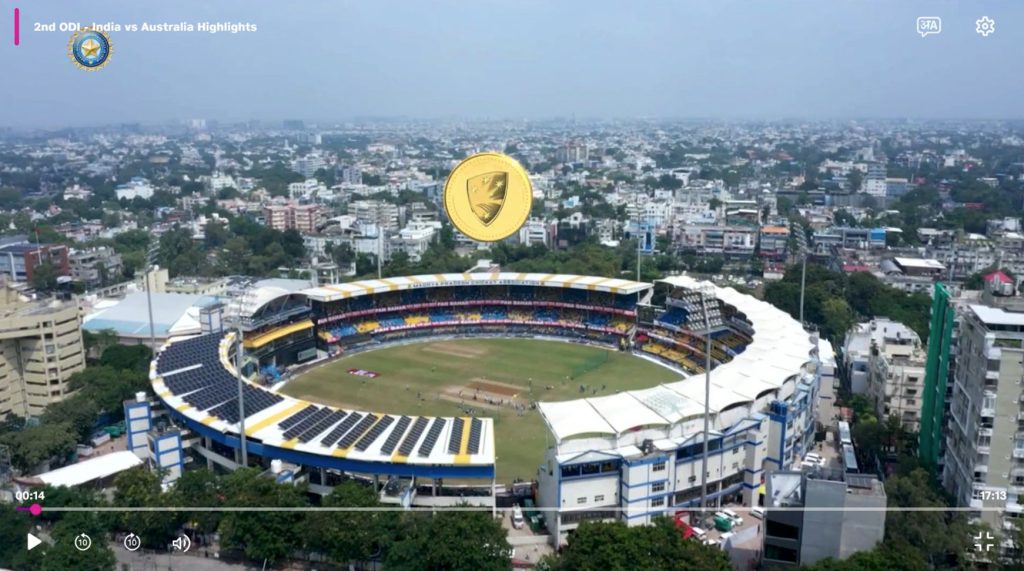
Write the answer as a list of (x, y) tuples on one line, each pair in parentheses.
[(182, 544)]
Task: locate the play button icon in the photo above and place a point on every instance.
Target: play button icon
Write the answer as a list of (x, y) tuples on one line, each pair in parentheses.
[(33, 541)]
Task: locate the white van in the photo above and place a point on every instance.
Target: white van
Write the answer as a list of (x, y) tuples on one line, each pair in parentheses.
[(517, 517), (757, 511), (699, 533), (735, 517)]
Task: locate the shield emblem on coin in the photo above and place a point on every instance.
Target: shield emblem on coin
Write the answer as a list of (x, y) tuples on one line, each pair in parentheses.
[(487, 195)]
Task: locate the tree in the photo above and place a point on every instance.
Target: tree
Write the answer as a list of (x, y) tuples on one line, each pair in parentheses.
[(63, 555), (886, 557), (842, 217), (855, 178), (10, 199), (350, 536), (79, 413), (235, 255), (265, 536), (108, 387), (836, 315), (343, 255), (449, 540), (943, 538), (227, 193), (127, 357), (140, 487), (215, 234), (44, 276), (13, 527), (36, 444), (96, 343), (199, 488), (656, 547)]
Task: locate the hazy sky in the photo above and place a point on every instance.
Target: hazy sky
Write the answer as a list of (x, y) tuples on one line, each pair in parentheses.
[(519, 59)]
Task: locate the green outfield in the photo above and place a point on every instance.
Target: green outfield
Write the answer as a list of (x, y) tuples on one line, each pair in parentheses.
[(441, 378)]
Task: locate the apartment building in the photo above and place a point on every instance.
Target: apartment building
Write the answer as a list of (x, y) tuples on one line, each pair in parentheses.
[(984, 459), (19, 258), (305, 218), (896, 373), (96, 266), (40, 348)]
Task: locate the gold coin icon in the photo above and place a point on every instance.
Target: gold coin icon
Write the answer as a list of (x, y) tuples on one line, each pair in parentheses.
[(488, 196)]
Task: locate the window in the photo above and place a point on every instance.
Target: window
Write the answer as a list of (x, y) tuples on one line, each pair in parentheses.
[(781, 530), (599, 498), (659, 487), (581, 500), (657, 502), (777, 553), (658, 466)]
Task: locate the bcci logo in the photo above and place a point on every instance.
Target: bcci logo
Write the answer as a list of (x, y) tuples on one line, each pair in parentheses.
[(89, 49)]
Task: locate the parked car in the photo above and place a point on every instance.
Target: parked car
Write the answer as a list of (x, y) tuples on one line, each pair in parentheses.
[(735, 517), (757, 511), (517, 517)]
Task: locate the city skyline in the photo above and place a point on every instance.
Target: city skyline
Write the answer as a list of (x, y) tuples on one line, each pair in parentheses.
[(721, 61)]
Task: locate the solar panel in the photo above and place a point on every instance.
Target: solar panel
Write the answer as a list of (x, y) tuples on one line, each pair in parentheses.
[(364, 424), (476, 427), (306, 423), (392, 441), (431, 438), (326, 422), (455, 440), (374, 432), (414, 434), (297, 417), (336, 434)]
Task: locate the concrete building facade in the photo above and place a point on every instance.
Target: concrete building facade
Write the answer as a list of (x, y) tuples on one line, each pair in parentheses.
[(40, 348), (793, 536)]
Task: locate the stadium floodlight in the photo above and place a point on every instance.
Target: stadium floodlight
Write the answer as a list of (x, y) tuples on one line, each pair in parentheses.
[(151, 254), (241, 384), (707, 290)]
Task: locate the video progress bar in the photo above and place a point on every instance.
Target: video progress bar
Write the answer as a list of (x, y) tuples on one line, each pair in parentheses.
[(737, 509)]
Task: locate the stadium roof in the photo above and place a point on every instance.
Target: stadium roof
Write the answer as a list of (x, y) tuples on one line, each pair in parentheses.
[(365, 287), (780, 347), (264, 425)]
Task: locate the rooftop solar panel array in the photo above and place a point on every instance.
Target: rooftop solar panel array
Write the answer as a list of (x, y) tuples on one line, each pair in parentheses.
[(192, 370), (374, 432), (410, 440), (340, 430), (364, 424), (325, 423), (306, 423), (431, 439), (297, 417), (476, 427), (455, 440), (209, 386), (396, 434)]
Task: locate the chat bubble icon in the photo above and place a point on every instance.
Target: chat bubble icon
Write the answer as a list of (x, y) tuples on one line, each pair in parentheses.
[(927, 25)]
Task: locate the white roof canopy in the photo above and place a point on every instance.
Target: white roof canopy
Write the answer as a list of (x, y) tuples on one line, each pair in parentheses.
[(780, 347)]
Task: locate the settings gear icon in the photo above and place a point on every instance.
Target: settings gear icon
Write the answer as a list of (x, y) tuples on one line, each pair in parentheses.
[(985, 26)]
